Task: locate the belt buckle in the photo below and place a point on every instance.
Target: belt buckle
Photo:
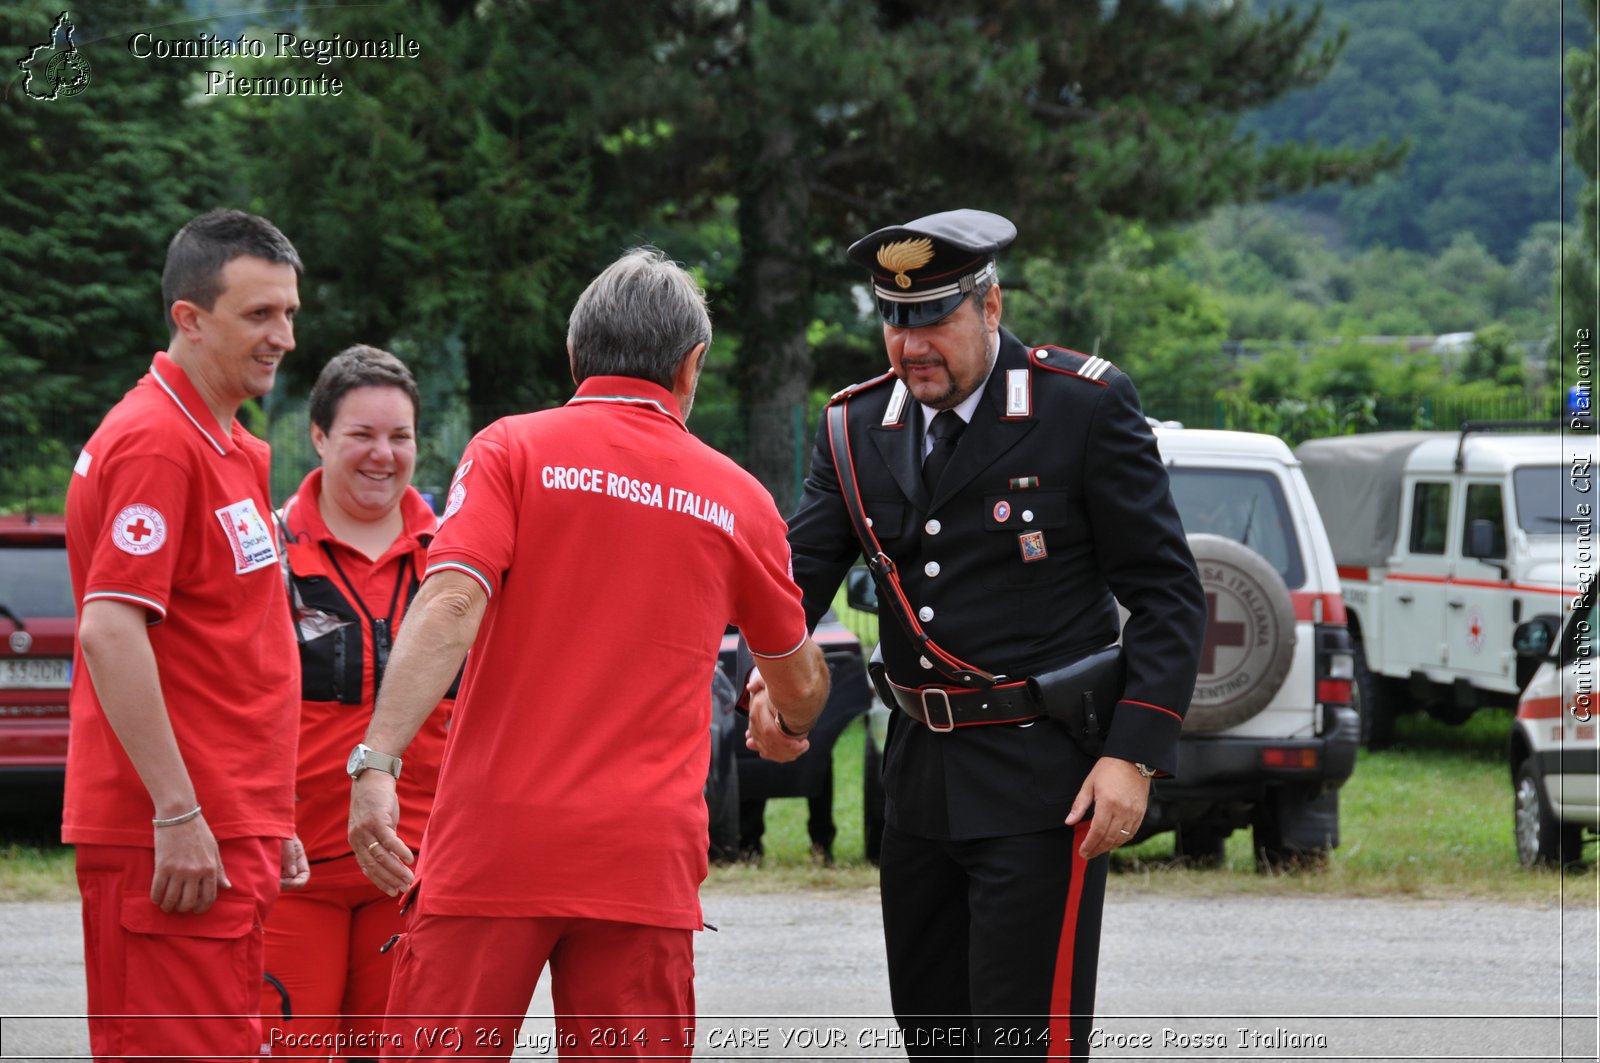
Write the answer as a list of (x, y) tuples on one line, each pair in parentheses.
[(927, 710)]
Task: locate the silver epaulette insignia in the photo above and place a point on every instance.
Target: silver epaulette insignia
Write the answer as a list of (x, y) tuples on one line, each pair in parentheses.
[(897, 403), (1019, 394)]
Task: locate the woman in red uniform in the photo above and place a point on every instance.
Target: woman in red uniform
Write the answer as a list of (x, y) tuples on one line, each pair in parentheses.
[(356, 535)]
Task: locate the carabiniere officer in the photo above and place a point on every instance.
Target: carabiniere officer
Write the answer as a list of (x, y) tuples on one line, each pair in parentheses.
[(1018, 492)]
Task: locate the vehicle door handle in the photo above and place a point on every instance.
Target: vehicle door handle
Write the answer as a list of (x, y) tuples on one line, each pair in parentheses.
[(1456, 603), (1405, 599)]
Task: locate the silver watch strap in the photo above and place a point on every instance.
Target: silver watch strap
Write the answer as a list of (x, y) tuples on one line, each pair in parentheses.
[(372, 758)]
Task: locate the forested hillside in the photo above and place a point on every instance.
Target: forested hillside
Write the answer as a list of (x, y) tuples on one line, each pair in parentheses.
[(1323, 311), (1211, 195), (1475, 87)]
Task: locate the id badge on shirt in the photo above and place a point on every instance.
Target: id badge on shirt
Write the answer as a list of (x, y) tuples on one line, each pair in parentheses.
[(249, 535)]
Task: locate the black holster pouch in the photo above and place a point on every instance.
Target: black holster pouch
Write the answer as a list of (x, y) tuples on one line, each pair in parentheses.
[(880, 677), (1083, 695)]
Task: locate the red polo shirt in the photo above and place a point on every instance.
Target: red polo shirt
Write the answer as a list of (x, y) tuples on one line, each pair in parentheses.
[(166, 513), (329, 730), (615, 548)]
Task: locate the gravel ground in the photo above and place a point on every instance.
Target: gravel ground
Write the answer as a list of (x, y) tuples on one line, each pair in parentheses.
[(801, 976)]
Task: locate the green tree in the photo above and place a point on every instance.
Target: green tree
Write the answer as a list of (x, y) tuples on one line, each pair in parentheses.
[(1274, 377), (1537, 267), (1493, 357), (1140, 311), (1467, 84), (95, 185), (455, 205), (826, 119), (1346, 373), (1580, 272)]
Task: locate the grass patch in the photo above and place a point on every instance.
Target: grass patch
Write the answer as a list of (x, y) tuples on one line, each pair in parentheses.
[(1429, 819), (37, 873), (788, 842)]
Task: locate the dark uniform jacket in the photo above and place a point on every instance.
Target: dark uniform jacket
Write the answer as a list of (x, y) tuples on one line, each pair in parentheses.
[(1057, 452)]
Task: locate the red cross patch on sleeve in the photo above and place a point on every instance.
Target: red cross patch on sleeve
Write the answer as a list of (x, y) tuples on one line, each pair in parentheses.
[(139, 529)]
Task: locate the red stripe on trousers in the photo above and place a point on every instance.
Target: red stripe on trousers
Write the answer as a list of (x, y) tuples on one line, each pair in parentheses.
[(1061, 1046)]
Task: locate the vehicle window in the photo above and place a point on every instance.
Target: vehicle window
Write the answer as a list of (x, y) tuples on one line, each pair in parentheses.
[(1430, 518), (1244, 505), (34, 581), (1547, 499), (1484, 503)]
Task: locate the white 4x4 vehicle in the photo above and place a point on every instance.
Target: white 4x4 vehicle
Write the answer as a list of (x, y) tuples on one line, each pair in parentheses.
[(1270, 735), (1445, 542), (1555, 754)]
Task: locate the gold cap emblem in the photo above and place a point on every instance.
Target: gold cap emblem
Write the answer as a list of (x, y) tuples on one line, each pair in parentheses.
[(903, 255)]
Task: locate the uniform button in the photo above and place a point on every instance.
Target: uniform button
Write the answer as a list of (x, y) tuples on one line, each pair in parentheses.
[(869, 522), (1027, 515), (932, 527), (931, 568), (926, 663), (925, 614)]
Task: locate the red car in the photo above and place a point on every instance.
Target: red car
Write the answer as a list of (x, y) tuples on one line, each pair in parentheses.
[(36, 634)]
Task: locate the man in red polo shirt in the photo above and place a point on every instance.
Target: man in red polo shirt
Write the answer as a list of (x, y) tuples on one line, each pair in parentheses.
[(596, 553), (180, 774)]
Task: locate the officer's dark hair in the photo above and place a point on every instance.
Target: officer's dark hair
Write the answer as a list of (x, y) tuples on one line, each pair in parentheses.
[(205, 245), (975, 297), (359, 367), (638, 318)]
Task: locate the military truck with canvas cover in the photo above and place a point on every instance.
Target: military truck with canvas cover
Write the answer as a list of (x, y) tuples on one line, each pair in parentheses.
[(1445, 542)]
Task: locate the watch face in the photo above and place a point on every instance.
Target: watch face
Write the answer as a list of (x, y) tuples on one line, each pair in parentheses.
[(352, 765)]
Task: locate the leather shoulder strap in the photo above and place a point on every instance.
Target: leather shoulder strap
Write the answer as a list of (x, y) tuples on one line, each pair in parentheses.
[(883, 568)]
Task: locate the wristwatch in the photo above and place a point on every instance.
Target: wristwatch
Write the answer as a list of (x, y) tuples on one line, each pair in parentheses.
[(364, 756), (1145, 770)]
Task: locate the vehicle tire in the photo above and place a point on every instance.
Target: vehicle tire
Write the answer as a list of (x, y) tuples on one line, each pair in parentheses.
[(722, 777), (871, 795), (1542, 839), (1250, 635), (1200, 844), (1372, 702), (1448, 712), (724, 823), (1293, 831)]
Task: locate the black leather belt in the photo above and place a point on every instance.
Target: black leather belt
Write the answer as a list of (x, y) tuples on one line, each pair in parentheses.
[(946, 708)]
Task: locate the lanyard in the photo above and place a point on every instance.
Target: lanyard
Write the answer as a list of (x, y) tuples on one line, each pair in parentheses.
[(382, 630)]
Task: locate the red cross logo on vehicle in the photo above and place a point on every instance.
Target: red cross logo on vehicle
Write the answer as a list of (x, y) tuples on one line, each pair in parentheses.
[(1218, 634)]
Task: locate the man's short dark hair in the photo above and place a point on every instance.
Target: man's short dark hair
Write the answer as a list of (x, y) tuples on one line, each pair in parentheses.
[(638, 318), (209, 242), (359, 367)]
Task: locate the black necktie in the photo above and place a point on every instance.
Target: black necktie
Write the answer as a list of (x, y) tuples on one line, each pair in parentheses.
[(945, 431)]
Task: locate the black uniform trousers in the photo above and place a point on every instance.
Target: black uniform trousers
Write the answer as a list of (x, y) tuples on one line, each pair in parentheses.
[(1054, 510), (993, 943)]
